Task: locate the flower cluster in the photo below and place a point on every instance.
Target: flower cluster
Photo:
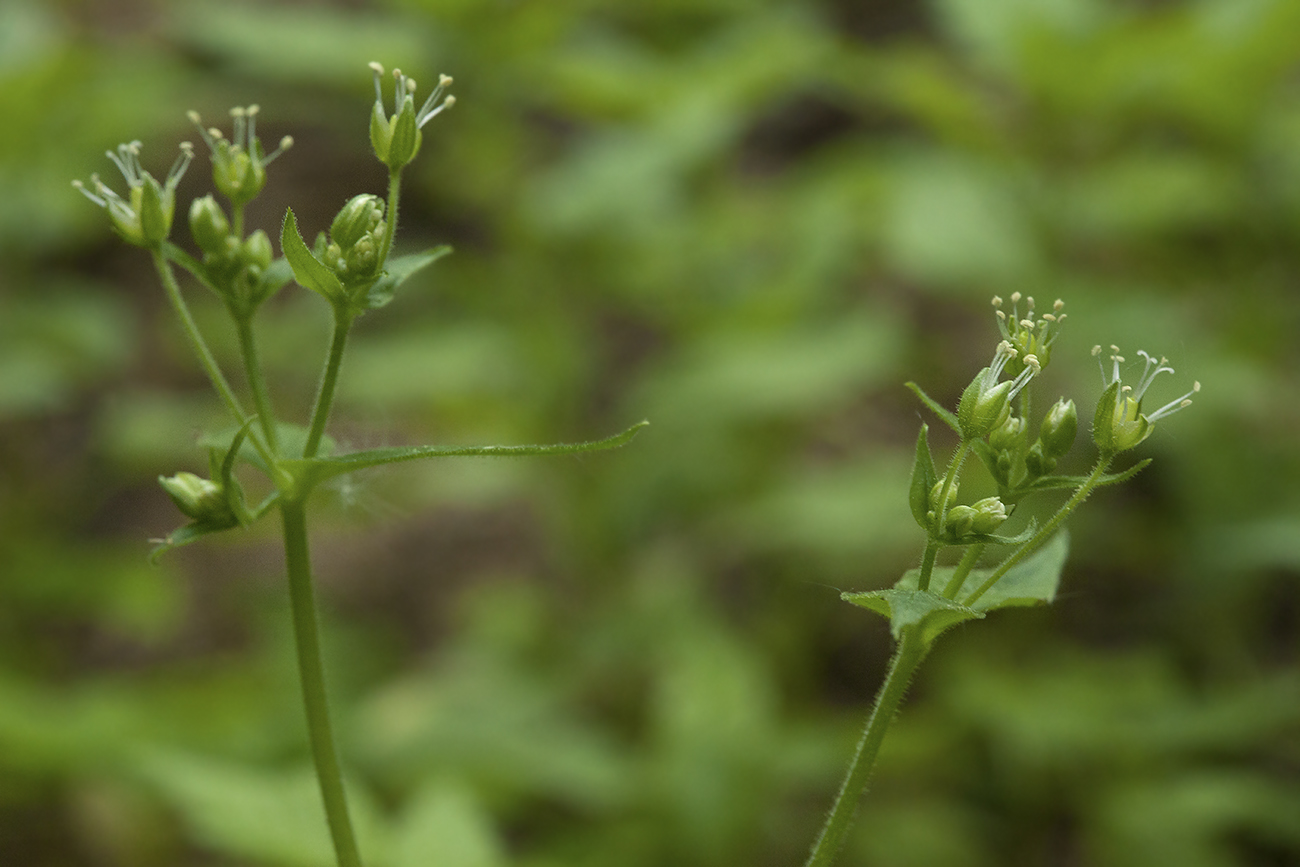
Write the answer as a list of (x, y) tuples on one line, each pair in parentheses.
[(1031, 335)]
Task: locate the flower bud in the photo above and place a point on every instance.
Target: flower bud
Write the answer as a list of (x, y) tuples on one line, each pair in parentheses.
[(208, 225), (199, 498), (937, 490), (1008, 435), (256, 251), (1059, 428), (990, 513), (356, 219)]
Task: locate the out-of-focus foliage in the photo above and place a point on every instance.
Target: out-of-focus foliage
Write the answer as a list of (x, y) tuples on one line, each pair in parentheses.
[(749, 222)]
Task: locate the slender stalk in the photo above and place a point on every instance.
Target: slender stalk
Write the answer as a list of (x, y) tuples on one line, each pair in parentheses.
[(911, 650), (968, 561), (932, 547), (256, 381), (1046, 531), (390, 228), (311, 672), (200, 347), (949, 480), (329, 381)]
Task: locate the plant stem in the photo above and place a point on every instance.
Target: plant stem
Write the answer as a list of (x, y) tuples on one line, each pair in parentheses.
[(968, 561), (949, 480), (911, 650), (932, 547), (256, 381), (329, 381), (390, 227), (1046, 531), (200, 347), (311, 672)]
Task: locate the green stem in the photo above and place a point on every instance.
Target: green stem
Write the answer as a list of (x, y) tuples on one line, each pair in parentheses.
[(968, 561), (329, 381), (911, 650), (237, 221), (932, 547), (390, 227), (256, 381), (311, 672), (949, 480), (1047, 530), (200, 347)]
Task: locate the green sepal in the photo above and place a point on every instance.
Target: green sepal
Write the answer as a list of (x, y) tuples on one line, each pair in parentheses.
[(156, 208), (1103, 420), (944, 415), (403, 137), (397, 273), (927, 612), (309, 472), (989, 457), (924, 478), (310, 272)]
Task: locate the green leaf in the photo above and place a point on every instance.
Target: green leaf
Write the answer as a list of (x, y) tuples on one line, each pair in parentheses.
[(309, 271), (309, 472), (923, 479), (926, 611), (397, 271), (183, 536), (944, 415), (1033, 581)]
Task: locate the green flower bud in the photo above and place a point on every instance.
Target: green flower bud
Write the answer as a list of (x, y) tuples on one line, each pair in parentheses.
[(958, 521), (990, 513), (1059, 428), (209, 226), (937, 490), (256, 251), (357, 219), (144, 217), (239, 165), (1038, 463), (397, 139), (1008, 436), (199, 498)]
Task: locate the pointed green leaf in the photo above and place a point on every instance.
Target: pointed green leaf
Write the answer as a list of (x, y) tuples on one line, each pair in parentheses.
[(1050, 483), (397, 271), (944, 415), (309, 472), (183, 536), (309, 271), (928, 612), (923, 479)]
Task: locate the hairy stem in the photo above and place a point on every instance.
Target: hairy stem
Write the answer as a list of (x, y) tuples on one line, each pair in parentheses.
[(1037, 540), (932, 547), (968, 561), (256, 381), (390, 226), (911, 650), (311, 672), (328, 383)]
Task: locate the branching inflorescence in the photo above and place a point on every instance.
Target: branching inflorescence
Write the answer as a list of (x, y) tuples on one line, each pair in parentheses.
[(992, 422), (352, 268)]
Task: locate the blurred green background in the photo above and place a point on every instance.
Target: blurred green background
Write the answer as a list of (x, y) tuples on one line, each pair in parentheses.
[(749, 222)]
